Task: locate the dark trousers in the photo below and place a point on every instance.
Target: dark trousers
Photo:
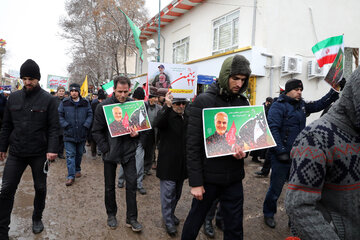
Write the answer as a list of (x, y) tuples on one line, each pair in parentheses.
[(215, 208), (231, 200), (130, 178), (61, 146), (149, 151), (93, 147), (13, 170), (267, 163), (279, 175)]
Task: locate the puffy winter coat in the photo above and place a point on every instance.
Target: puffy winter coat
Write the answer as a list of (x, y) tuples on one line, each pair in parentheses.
[(287, 117), (75, 119)]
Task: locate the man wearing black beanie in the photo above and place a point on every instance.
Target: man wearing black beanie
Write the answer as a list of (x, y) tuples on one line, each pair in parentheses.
[(286, 118), (30, 131)]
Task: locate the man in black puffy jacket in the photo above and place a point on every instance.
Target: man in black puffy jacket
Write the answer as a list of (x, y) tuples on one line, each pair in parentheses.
[(30, 130), (220, 177)]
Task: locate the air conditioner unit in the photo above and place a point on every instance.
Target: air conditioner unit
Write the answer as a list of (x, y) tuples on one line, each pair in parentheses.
[(315, 71), (291, 65)]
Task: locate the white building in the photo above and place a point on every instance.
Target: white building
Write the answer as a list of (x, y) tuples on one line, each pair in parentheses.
[(275, 35)]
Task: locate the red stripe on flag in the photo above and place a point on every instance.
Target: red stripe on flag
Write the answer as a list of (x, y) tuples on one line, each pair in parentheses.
[(326, 59)]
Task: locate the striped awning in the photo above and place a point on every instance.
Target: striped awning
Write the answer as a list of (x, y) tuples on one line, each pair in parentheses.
[(168, 14)]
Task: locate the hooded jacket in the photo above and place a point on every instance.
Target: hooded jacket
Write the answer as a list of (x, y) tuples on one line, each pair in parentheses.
[(220, 170), (323, 197)]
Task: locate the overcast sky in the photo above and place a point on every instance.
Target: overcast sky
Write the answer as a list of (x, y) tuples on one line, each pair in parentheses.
[(31, 30)]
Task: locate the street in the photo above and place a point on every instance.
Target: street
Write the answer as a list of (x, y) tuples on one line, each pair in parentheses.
[(78, 211)]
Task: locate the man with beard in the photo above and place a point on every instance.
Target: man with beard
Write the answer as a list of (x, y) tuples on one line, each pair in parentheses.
[(30, 130), (219, 177)]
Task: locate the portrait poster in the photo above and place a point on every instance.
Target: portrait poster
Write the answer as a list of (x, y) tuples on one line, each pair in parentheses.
[(336, 71), (120, 117), (53, 82), (180, 79), (225, 128)]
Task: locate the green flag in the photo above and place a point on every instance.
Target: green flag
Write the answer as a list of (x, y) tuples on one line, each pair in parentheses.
[(136, 33)]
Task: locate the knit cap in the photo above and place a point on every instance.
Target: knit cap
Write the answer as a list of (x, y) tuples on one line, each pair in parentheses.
[(139, 93), (30, 69), (74, 86), (293, 84)]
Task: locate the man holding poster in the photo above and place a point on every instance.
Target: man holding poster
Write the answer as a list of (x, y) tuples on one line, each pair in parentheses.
[(117, 150), (219, 177)]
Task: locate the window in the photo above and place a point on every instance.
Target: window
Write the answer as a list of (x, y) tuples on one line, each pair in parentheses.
[(226, 33), (181, 51)]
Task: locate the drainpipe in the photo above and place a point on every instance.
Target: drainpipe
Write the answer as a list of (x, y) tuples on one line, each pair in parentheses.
[(163, 48), (254, 24), (271, 56)]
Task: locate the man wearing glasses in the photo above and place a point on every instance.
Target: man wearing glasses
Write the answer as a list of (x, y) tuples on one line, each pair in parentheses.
[(30, 130), (171, 169)]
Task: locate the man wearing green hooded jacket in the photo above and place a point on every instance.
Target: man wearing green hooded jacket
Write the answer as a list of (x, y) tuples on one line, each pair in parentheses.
[(219, 177)]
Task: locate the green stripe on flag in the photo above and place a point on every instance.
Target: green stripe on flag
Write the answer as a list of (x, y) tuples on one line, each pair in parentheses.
[(136, 33), (327, 43), (108, 85)]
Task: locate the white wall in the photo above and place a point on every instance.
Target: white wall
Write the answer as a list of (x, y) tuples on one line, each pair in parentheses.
[(283, 27)]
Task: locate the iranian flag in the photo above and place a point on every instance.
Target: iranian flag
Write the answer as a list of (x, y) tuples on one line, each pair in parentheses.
[(109, 87), (326, 50)]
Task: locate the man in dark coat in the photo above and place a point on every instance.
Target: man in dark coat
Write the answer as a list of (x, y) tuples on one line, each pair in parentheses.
[(287, 117), (117, 150), (60, 92), (171, 168), (219, 177), (75, 118), (101, 97), (30, 130)]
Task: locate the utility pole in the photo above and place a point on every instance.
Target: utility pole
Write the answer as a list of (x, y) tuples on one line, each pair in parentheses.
[(158, 48)]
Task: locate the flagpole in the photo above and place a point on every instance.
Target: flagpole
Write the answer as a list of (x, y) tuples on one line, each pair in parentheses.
[(158, 56)]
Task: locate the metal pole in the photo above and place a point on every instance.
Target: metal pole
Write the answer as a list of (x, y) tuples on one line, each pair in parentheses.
[(158, 56)]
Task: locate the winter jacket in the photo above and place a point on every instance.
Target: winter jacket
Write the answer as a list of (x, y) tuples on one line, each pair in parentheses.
[(30, 124), (323, 196), (171, 164), (219, 170), (115, 149), (287, 117), (75, 119)]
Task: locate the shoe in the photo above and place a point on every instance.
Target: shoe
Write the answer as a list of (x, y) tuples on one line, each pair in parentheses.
[(220, 224), (112, 222), (261, 174), (270, 222), (171, 230), (78, 174), (120, 185), (209, 229), (134, 225), (69, 182), (37, 227), (142, 191), (176, 220)]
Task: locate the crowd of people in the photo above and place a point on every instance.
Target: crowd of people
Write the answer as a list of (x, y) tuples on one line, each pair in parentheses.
[(320, 162)]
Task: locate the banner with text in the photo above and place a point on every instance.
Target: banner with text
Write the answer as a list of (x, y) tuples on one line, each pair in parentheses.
[(226, 128), (180, 79), (121, 117), (55, 81)]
